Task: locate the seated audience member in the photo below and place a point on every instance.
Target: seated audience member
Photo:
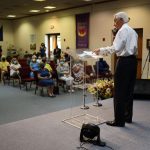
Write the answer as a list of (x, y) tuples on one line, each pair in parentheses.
[(67, 57), (4, 64), (14, 68), (47, 65), (102, 67), (39, 60), (78, 73), (34, 66), (45, 79), (63, 70)]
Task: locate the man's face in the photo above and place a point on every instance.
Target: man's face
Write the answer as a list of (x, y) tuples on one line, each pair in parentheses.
[(118, 23)]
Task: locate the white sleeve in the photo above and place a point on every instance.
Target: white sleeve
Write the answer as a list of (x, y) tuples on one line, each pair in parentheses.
[(107, 50), (118, 43)]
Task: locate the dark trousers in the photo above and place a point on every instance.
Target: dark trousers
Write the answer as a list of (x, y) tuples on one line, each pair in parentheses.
[(124, 81)]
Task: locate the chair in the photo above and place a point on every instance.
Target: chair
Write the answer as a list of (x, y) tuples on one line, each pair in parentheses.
[(38, 84), (25, 77), (107, 74), (54, 72), (90, 72), (23, 62), (8, 78)]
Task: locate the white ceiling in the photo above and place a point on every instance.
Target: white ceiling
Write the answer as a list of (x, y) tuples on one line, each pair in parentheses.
[(21, 8)]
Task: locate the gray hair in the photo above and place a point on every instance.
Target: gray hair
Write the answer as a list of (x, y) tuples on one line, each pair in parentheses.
[(123, 16)]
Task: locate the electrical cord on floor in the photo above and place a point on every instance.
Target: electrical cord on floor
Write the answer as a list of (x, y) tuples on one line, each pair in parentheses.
[(109, 147), (82, 143), (81, 146)]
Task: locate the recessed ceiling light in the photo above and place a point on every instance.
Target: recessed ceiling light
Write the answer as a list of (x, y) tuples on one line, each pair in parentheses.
[(87, 0), (34, 11), (11, 16), (49, 7), (39, 0)]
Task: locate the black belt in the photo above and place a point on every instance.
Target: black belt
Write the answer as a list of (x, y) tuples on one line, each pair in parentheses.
[(130, 56)]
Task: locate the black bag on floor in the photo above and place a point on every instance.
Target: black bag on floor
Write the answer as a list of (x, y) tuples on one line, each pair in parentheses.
[(91, 133)]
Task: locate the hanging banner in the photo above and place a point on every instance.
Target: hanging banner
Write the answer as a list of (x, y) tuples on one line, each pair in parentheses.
[(82, 30)]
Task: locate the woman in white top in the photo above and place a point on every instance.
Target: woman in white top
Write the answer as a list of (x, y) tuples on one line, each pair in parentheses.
[(63, 71), (14, 67)]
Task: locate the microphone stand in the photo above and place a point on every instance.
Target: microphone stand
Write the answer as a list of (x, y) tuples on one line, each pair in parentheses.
[(84, 88), (97, 104)]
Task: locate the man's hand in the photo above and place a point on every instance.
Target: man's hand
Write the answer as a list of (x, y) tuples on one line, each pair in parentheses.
[(96, 51)]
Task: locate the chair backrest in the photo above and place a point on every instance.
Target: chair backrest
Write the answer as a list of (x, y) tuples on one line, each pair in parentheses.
[(88, 69), (25, 72), (53, 65), (36, 77), (23, 62)]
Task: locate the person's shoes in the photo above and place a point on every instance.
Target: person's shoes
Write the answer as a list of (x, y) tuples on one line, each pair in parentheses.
[(114, 124), (71, 91), (128, 121), (51, 95)]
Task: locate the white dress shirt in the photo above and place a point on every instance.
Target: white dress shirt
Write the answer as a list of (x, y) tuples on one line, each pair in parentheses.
[(124, 44)]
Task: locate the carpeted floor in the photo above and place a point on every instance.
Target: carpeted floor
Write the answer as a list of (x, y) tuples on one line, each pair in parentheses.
[(47, 131), (16, 104)]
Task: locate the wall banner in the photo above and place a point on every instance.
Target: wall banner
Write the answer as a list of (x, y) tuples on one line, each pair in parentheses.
[(82, 30)]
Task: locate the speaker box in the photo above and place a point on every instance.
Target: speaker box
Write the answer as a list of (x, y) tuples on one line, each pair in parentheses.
[(142, 89)]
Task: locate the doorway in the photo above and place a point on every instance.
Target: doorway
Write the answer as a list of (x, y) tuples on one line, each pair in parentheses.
[(51, 41)]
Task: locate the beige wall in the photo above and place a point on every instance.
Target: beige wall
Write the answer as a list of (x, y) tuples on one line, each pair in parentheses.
[(8, 39), (101, 24)]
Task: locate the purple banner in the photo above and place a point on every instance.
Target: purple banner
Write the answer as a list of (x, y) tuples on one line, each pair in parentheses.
[(82, 31)]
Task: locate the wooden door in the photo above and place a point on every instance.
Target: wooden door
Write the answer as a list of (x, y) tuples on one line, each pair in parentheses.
[(139, 31)]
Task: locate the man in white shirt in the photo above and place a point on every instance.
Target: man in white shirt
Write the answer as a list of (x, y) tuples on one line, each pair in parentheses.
[(125, 47)]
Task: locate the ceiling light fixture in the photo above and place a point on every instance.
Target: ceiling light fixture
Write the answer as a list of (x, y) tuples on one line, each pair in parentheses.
[(87, 0), (49, 7), (34, 11), (11, 16), (39, 0)]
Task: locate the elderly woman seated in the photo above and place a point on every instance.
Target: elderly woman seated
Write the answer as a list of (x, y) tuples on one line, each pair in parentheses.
[(78, 73), (34, 65), (14, 68), (44, 77), (63, 71)]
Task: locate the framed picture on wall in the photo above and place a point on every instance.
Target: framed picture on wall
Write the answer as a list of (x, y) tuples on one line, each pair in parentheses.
[(32, 42)]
